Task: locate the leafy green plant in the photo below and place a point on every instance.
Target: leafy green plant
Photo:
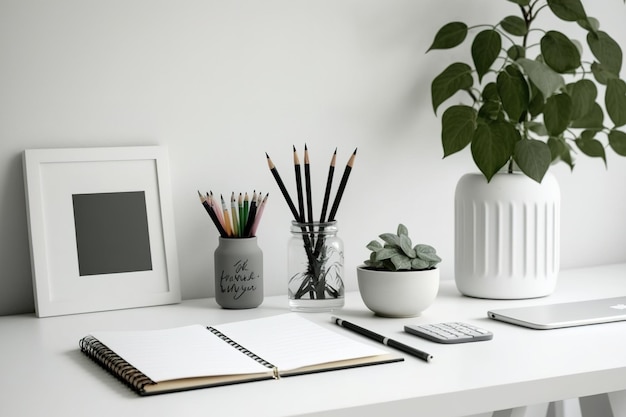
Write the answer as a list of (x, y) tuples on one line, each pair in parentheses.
[(533, 98), (398, 253)]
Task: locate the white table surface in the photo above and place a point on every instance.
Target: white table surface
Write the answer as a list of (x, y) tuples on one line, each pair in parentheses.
[(43, 373)]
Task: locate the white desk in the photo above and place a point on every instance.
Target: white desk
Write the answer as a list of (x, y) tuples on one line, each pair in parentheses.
[(42, 372)]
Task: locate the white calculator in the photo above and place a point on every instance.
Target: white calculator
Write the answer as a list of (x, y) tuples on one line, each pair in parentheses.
[(451, 332)]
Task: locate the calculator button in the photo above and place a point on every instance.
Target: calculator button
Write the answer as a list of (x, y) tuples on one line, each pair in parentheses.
[(452, 332)]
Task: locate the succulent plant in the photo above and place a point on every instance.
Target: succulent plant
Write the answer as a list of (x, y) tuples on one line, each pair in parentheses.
[(399, 254)]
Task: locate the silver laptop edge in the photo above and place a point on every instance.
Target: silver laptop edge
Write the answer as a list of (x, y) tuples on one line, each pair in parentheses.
[(559, 315)]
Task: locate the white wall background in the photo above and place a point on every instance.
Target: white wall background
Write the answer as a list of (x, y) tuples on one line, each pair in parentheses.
[(222, 82)]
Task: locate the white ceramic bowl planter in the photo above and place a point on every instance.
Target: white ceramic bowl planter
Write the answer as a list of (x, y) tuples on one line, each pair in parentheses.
[(398, 293)]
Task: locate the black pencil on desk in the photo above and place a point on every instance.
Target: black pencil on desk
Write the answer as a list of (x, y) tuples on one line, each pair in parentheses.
[(298, 171), (342, 187), (283, 190), (382, 339), (329, 183)]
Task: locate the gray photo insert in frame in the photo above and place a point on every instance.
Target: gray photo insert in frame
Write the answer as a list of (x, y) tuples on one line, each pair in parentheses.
[(112, 233)]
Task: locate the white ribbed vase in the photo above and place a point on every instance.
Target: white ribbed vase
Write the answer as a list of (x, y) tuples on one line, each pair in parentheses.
[(507, 236)]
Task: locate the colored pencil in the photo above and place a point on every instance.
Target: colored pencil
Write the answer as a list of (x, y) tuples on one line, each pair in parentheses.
[(342, 187), (259, 213), (251, 216), (246, 210), (227, 224), (241, 219), (212, 215), (283, 190), (234, 210), (216, 208)]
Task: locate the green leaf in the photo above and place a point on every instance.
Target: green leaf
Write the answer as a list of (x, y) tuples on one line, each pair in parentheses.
[(492, 151), (407, 246), (592, 120), (601, 73), (617, 141), (533, 157), (538, 128), (568, 10), (490, 92), (418, 263), (457, 76), (559, 52), (457, 128), (591, 24), (537, 101), (591, 147), (516, 52), (401, 262), (402, 230), (560, 151), (391, 239), (615, 101), (514, 25), (583, 94), (606, 51), (427, 253), (485, 50), (386, 253), (542, 76), (557, 113), (513, 91), (374, 245), (449, 36), (490, 110), (421, 248)]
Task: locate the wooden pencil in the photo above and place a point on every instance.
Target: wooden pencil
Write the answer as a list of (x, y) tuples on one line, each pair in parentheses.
[(235, 215), (283, 190), (329, 183), (342, 187), (298, 171), (227, 223), (307, 182), (259, 213), (251, 216), (212, 215), (241, 219)]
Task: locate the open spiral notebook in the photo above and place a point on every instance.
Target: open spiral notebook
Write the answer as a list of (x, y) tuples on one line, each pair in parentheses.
[(196, 356)]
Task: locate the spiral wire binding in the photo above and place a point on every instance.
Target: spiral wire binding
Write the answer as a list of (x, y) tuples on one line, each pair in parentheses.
[(245, 351), (109, 360)]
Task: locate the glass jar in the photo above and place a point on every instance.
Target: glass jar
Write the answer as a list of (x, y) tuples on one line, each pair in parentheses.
[(238, 273), (315, 267)]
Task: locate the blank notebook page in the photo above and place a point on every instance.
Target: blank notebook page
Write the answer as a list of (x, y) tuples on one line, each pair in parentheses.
[(182, 352), (289, 341)]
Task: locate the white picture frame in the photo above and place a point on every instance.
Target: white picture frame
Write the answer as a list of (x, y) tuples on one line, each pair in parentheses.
[(70, 195)]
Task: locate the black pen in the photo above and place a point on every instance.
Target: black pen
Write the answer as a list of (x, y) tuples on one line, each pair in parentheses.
[(382, 339)]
